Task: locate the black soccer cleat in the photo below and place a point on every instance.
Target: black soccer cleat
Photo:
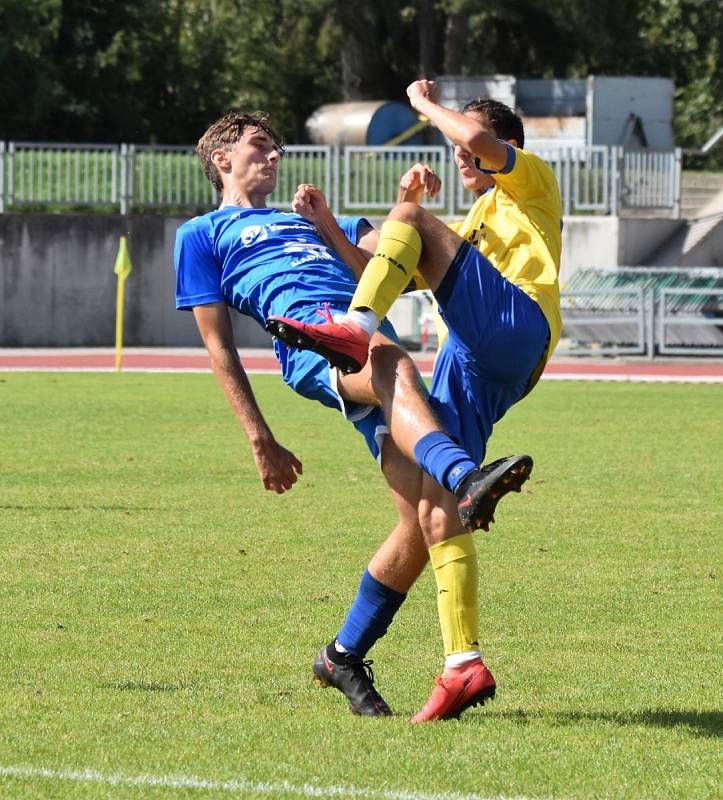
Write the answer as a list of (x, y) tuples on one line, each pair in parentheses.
[(482, 489), (355, 680)]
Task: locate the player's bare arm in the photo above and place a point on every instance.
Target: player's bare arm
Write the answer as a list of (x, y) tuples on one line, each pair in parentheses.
[(277, 467), (310, 203), (464, 130)]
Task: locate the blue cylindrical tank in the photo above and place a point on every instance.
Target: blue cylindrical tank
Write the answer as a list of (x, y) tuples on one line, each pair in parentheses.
[(373, 122)]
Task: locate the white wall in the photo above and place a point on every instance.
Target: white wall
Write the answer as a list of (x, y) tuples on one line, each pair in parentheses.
[(588, 242)]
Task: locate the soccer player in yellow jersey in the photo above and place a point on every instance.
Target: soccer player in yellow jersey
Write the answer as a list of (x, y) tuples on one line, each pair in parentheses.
[(495, 279)]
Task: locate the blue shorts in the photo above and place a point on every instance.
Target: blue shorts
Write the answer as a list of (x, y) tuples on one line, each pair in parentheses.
[(310, 376), (497, 335)]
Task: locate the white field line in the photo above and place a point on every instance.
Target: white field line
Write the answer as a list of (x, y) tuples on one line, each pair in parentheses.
[(627, 377), (632, 377), (238, 785)]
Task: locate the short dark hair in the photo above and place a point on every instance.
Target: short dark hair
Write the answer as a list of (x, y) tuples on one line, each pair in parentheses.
[(504, 121), (225, 133)]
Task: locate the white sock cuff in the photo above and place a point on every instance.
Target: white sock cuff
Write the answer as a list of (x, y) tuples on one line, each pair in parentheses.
[(458, 659), (367, 320)]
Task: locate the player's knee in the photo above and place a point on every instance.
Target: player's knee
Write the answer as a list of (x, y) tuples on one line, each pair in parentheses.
[(406, 212), (392, 369), (437, 522), (428, 516)]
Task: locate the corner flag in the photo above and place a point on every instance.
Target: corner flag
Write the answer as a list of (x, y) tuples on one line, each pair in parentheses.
[(122, 269), (123, 266)]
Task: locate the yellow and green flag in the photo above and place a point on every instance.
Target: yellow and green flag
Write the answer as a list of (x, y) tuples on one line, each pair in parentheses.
[(122, 269), (123, 266)]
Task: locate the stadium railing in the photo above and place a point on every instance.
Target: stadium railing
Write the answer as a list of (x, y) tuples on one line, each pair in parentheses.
[(626, 311), (129, 178), (643, 311)]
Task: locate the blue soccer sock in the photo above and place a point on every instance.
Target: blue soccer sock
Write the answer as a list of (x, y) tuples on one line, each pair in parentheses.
[(444, 460), (369, 617)]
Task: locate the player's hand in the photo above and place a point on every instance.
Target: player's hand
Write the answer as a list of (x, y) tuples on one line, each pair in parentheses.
[(422, 90), (310, 203), (420, 179), (278, 467)]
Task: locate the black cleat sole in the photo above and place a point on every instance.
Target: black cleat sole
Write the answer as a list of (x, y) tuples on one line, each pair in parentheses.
[(478, 700), (302, 341), (479, 512)]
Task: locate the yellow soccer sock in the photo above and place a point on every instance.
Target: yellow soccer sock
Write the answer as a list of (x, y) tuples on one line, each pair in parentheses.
[(391, 268), (455, 569)]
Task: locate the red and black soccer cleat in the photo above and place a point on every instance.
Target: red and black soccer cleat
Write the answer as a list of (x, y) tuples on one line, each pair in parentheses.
[(343, 344), (458, 689), (483, 488)]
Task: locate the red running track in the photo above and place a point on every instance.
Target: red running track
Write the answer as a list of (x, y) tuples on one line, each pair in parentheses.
[(169, 360)]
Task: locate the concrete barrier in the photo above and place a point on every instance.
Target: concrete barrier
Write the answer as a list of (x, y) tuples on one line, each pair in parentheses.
[(57, 286)]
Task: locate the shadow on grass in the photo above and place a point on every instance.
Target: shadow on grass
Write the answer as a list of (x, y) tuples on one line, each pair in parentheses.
[(701, 723)]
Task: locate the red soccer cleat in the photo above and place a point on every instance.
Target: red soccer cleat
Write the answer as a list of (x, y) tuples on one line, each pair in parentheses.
[(343, 344), (458, 689)]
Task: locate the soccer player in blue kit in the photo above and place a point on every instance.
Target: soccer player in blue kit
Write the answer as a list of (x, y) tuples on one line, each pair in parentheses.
[(264, 262)]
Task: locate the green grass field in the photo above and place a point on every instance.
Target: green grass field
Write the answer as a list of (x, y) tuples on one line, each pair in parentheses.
[(159, 611)]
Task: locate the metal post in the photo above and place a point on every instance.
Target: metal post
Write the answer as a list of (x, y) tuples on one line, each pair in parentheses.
[(10, 163), (451, 184), (614, 181), (677, 173), (2, 177), (661, 322), (335, 164), (651, 322), (566, 155), (124, 179)]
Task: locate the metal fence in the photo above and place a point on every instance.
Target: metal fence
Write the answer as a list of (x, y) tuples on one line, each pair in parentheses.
[(635, 321), (128, 178), (371, 174), (651, 179), (611, 322), (643, 311), (690, 315)]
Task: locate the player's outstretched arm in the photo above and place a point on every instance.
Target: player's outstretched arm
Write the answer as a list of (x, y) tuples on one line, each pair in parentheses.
[(277, 466), (461, 129)]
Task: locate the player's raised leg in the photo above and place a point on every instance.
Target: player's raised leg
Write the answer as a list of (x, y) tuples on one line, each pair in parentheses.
[(426, 244)]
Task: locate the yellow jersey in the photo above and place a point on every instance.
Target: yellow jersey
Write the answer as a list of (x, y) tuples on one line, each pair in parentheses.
[(517, 226)]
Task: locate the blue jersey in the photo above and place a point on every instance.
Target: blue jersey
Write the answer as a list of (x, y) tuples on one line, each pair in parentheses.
[(266, 262), (262, 262)]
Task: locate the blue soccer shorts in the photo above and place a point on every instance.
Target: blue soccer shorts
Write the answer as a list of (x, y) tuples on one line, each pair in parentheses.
[(497, 336), (310, 375)]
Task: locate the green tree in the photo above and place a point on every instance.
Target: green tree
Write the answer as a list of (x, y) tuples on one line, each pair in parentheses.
[(161, 70), (29, 83)]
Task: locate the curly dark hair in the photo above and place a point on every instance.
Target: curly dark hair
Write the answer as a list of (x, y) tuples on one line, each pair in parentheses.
[(226, 132), (504, 121)]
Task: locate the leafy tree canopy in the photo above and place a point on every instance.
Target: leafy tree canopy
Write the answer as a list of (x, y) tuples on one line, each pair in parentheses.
[(161, 70)]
